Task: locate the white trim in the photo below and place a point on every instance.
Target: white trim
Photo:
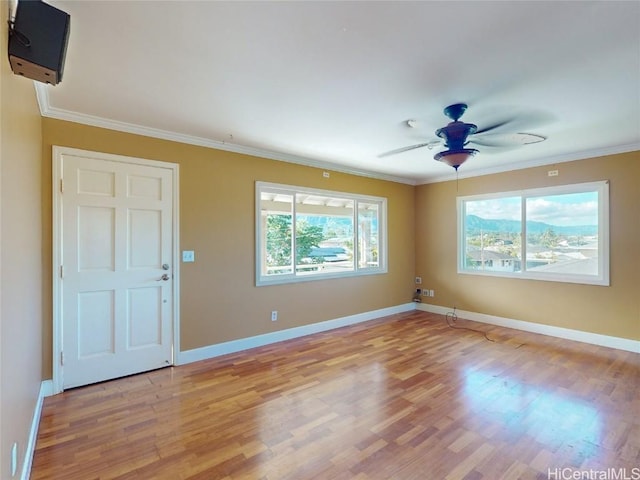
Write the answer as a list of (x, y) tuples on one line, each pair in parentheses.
[(204, 353), (600, 187), (538, 162), (46, 390), (56, 166), (177, 262), (56, 238), (46, 110), (263, 279), (618, 343), (234, 346), (42, 95)]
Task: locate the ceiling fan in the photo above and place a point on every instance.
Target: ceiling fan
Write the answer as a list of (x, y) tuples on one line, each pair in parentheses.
[(456, 135)]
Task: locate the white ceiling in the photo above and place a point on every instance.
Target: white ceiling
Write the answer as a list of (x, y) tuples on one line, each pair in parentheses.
[(332, 84)]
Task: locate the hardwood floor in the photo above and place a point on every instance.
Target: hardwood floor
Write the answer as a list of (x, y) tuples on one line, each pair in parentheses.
[(402, 397)]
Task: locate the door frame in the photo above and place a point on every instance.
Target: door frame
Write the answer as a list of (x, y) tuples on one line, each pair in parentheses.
[(57, 335)]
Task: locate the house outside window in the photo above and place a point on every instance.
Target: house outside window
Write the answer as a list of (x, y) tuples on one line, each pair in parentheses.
[(555, 234), (307, 234)]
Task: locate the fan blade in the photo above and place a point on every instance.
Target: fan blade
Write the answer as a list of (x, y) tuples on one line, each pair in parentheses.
[(493, 127), (494, 140), (406, 149), (506, 139), (520, 121)]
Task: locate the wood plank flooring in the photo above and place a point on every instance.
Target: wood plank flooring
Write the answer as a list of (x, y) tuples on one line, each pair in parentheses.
[(403, 397)]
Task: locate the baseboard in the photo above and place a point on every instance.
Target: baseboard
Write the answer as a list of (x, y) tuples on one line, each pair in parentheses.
[(46, 390), (233, 346), (550, 330)]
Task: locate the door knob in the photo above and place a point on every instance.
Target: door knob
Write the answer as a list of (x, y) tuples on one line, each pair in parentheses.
[(165, 266), (164, 277)]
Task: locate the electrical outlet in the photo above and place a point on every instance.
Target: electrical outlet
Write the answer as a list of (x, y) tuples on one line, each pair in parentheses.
[(418, 280), (552, 173), (274, 315), (425, 292), (431, 293), (188, 256)]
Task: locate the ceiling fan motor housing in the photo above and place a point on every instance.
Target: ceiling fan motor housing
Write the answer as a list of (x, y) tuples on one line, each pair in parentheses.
[(455, 134)]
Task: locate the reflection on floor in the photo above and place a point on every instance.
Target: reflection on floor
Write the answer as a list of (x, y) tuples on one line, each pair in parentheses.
[(403, 397)]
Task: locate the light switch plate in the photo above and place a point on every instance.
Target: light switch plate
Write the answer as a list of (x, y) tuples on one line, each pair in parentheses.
[(188, 256)]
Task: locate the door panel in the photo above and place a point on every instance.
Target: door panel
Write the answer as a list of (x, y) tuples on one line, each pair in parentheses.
[(144, 304), (96, 238), (95, 324), (92, 182), (117, 303), (144, 187), (145, 238)]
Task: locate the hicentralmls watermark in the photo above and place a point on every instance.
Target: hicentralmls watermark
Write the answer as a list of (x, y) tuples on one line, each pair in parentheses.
[(592, 474)]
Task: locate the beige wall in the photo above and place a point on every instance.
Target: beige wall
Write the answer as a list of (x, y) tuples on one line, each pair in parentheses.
[(219, 300), (613, 310), (21, 315)]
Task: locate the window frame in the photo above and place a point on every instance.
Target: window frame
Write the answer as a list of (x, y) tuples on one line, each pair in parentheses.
[(602, 277), (262, 280)]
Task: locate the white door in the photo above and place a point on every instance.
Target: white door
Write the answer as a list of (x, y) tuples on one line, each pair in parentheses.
[(116, 273)]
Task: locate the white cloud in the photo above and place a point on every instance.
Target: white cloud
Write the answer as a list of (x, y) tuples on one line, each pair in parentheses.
[(557, 213), (496, 209), (561, 210)]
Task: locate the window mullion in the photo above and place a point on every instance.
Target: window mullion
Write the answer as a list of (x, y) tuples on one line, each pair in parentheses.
[(355, 239), (320, 209), (554, 246), (294, 240), (464, 230), (523, 235)]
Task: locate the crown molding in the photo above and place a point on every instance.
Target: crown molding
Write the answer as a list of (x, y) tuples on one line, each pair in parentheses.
[(42, 95), (538, 162)]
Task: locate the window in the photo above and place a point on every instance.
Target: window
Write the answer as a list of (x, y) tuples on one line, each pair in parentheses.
[(556, 233), (336, 234)]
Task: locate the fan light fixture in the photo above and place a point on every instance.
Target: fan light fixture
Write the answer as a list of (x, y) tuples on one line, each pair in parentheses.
[(455, 158), (456, 135)]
